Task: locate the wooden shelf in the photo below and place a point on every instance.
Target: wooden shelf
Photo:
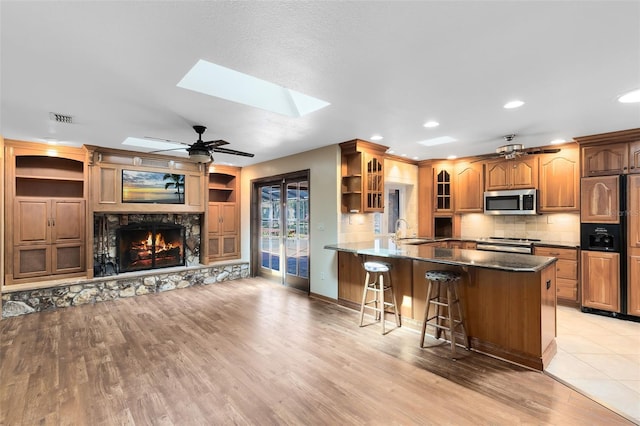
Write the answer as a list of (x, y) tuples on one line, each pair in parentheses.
[(43, 177)]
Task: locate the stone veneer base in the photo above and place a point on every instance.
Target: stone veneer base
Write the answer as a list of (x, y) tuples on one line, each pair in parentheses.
[(114, 287)]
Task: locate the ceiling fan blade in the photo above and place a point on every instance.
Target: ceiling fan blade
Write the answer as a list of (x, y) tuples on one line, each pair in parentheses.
[(215, 143), (542, 151), (166, 150), (151, 138), (231, 151)]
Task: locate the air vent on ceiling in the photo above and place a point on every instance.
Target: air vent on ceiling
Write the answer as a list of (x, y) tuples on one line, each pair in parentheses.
[(60, 118)]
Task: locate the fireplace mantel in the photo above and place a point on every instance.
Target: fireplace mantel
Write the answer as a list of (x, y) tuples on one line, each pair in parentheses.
[(105, 172)]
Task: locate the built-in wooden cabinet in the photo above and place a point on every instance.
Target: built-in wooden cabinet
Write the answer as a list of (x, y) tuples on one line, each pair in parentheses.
[(469, 187), (362, 174), (567, 272), (633, 245), (613, 153), (605, 160), (601, 280), (46, 205), (600, 199), (442, 188), (633, 283), (519, 173), (223, 230), (48, 237), (559, 181)]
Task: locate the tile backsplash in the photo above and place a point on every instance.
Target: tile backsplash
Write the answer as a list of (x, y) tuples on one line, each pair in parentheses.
[(558, 227)]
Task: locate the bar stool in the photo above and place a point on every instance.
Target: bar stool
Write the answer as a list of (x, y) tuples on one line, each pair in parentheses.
[(374, 282), (441, 302)]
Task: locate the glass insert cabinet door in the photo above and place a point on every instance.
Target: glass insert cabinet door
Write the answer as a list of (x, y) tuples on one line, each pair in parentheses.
[(284, 232)]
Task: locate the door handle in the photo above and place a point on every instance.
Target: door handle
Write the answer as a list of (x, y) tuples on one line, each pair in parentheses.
[(548, 284)]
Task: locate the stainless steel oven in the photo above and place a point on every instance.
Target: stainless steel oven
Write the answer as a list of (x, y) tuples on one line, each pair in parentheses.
[(506, 245)]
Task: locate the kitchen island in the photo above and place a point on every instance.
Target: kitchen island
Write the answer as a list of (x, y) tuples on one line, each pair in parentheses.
[(509, 300)]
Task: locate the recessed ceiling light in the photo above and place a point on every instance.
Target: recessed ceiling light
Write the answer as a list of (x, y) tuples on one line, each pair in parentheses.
[(431, 124), (404, 155), (390, 151), (557, 141), (452, 157), (513, 104), (630, 97), (437, 141), (156, 145), (216, 80), (416, 157), (376, 138)]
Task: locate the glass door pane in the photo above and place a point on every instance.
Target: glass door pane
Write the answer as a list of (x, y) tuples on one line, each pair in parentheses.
[(297, 239), (270, 227)]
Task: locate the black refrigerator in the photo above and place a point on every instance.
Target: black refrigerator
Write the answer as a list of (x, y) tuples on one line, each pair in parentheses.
[(603, 242)]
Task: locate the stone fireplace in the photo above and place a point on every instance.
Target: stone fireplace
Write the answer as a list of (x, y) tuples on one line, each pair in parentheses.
[(137, 242), (142, 246)]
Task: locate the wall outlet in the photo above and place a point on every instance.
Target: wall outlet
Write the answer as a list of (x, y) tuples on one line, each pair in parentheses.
[(322, 275)]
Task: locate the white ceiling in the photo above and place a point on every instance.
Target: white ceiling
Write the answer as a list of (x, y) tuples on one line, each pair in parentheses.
[(385, 67)]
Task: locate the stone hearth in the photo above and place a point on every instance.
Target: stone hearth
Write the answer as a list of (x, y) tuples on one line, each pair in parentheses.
[(104, 289)]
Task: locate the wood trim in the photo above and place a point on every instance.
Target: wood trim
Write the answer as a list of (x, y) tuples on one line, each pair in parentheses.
[(629, 135)]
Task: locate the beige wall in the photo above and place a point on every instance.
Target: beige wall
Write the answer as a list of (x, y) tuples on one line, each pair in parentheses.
[(324, 194)]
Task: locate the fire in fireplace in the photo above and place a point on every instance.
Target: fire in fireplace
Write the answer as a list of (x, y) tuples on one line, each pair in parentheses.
[(143, 246)]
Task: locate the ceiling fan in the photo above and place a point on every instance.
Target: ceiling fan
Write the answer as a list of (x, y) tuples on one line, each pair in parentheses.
[(202, 151), (510, 150)]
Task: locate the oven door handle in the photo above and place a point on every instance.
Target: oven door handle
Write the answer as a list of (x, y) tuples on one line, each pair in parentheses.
[(503, 249)]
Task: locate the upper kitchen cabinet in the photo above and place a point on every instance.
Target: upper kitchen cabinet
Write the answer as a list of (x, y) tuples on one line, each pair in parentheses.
[(611, 153), (362, 174), (519, 173), (442, 188), (469, 187), (560, 181), (600, 199)]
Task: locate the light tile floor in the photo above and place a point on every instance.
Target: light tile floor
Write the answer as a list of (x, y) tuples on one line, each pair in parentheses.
[(599, 357)]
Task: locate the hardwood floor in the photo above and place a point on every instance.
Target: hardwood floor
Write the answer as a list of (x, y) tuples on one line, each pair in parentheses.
[(252, 352)]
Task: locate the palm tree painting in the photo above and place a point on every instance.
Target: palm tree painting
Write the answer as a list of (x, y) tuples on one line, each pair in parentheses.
[(177, 182), (152, 187)]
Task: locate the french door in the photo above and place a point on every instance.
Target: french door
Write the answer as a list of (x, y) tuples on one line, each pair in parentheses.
[(280, 247)]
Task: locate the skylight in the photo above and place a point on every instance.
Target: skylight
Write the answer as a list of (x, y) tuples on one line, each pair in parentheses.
[(154, 144), (215, 80), (437, 141)]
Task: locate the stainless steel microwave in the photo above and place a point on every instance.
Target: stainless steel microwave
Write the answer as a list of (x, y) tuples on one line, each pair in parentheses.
[(516, 202)]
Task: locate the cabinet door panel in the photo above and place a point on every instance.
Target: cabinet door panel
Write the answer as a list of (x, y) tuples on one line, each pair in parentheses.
[(229, 245), (633, 302), (214, 246), (213, 219), (634, 157), (523, 173), (468, 194), (601, 280), (559, 182), (497, 176), (604, 160), (67, 258), (31, 261), (32, 222), (228, 223), (633, 209), (567, 289), (599, 200), (567, 269), (68, 221)]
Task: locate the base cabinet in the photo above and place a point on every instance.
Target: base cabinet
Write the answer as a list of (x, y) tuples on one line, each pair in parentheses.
[(566, 271), (601, 280), (48, 237)]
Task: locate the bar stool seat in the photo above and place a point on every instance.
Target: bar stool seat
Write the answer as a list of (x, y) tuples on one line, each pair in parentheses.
[(375, 282), (450, 302)]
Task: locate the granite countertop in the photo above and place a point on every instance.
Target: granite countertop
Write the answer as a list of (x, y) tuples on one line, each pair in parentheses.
[(384, 247), (423, 240)]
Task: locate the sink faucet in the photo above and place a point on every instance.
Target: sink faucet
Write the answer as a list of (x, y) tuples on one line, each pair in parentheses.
[(397, 227)]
